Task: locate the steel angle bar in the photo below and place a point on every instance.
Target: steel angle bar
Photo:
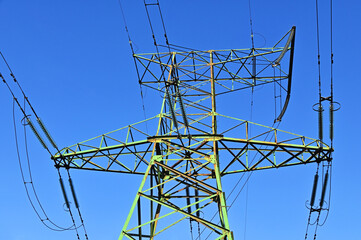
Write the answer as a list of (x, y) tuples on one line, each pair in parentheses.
[(206, 223), (195, 211)]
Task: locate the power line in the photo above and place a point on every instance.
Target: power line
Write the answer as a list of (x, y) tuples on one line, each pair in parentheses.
[(328, 175), (169, 94), (251, 22), (67, 203), (28, 121), (46, 219), (239, 181), (134, 60), (77, 203)]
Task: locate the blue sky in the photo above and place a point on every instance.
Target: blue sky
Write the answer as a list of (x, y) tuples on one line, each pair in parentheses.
[(73, 61)]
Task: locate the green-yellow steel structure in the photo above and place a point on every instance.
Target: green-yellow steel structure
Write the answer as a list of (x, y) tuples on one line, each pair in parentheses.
[(194, 146)]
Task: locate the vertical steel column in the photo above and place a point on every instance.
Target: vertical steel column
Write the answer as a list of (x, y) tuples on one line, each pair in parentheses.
[(124, 230), (213, 95), (222, 207)]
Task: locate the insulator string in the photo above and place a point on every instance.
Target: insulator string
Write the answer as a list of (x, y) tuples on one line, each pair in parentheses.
[(28, 121), (44, 219)]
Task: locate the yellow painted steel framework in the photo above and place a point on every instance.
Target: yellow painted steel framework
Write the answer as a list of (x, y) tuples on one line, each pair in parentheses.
[(195, 146)]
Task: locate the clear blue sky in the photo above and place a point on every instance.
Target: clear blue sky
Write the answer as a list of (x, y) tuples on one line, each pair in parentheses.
[(74, 62)]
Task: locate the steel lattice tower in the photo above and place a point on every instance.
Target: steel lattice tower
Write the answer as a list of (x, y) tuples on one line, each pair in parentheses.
[(193, 146)]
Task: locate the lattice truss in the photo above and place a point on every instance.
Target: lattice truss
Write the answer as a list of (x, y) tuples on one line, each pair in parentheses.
[(129, 149), (192, 146)]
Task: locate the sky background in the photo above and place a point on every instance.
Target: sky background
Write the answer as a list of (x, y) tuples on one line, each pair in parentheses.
[(74, 63)]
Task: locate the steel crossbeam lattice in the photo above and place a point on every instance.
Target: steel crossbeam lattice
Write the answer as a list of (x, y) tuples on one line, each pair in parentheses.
[(193, 146)]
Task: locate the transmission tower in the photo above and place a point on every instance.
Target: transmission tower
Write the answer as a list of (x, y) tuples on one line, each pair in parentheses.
[(190, 146)]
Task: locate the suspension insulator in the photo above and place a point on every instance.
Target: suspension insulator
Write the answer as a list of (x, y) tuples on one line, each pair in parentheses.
[(314, 189), (47, 134), (73, 193), (290, 40), (324, 187), (170, 102), (184, 115), (157, 149), (64, 193), (36, 133), (254, 70), (188, 200), (331, 121), (320, 122), (197, 199)]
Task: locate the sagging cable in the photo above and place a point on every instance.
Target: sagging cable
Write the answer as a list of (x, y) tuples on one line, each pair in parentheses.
[(28, 121), (41, 124), (42, 142), (45, 220)]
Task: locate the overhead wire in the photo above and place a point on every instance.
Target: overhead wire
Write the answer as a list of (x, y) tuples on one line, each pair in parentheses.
[(77, 204), (314, 188), (320, 208), (46, 219), (320, 108), (175, 83), (253, 50), (328, 175), (246, 214), (254, 73), (273, 126), (251, 116), (239, 181), (33, 187), (134, 60), (13, 76), (331, 73), (67, 203), (331, 108), (329, 196), (41, 124), (246, 181), (169, 45), (168, 93), (320, 128), (251, 22), (162, 68), (26, 117)]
